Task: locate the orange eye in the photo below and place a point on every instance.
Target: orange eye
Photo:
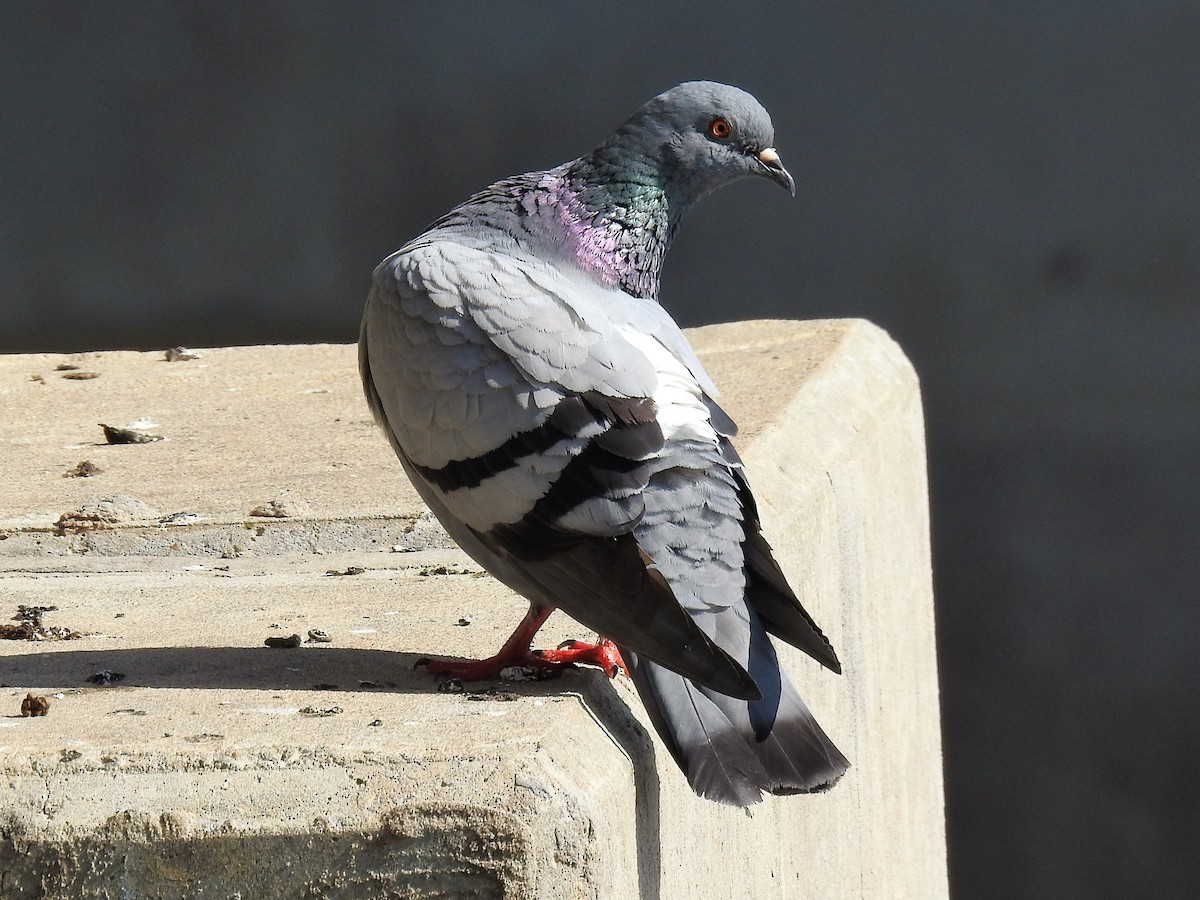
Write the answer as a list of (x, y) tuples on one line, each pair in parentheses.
[(720, 129)]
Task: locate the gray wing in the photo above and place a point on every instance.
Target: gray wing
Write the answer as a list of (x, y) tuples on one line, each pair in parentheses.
[(527, 419), (701, 526)]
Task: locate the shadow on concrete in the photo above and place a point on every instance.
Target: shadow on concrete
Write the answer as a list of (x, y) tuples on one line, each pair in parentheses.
[(439, 863), (225, 668), (613, 714), (320, 666)]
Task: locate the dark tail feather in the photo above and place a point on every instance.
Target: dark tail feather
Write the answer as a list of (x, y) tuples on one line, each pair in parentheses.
[(732, 750), (768, 592)]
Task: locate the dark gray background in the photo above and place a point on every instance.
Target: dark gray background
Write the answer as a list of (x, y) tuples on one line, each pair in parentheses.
[(1011, 189)]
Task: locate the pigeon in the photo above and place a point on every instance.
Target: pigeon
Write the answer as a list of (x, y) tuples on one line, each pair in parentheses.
[(554, 418)]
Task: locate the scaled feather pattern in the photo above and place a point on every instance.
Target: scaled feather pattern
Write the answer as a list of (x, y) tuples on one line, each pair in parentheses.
[(554, 418)]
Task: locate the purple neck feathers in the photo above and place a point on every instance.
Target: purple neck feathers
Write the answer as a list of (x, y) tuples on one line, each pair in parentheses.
[(618, 233)]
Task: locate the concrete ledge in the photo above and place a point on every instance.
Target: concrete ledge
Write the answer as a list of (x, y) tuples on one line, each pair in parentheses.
[(219, 767)]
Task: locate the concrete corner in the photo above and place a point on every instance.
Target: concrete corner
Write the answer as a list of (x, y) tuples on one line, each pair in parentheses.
[(180, 756)]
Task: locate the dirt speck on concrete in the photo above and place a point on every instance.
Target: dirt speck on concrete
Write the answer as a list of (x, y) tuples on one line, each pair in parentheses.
[(282, 507), (34, 705), (32, 627), (129, 434), (108, 512), (83, 469)]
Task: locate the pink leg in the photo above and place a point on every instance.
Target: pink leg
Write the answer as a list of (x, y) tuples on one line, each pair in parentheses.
[(516, 652)]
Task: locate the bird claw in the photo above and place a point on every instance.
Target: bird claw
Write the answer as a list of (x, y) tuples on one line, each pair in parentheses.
[(603, 654), (547, 663)]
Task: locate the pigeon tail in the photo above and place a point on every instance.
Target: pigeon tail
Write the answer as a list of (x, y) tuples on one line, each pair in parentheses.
[(731, 750)]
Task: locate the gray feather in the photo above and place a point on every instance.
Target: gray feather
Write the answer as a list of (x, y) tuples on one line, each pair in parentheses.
[(734, 751), (555, 419)]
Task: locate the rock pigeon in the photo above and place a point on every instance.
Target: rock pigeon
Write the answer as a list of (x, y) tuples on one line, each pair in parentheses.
[(554, 418)]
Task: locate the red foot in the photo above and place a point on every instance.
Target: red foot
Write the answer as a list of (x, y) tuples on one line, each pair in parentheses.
[(603, 654), (516, 652)]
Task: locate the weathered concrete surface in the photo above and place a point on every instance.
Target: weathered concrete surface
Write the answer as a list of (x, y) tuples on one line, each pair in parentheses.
[(219, 767)]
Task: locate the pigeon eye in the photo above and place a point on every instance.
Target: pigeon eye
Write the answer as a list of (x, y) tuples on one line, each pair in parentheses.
[(720, 129)]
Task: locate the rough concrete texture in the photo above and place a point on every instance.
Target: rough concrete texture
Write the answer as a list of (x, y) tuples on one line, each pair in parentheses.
[(220, 767)]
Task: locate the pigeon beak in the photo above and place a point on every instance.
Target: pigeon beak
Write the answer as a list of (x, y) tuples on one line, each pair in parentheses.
[(773, 169)]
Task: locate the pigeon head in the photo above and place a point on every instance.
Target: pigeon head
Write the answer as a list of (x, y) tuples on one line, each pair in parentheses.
[(700, 136), (614, 212), (616, 209)]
